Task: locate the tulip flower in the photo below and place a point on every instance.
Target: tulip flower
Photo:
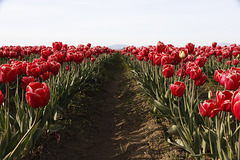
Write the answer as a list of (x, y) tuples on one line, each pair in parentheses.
[(92, 59), (166, 60), (235, 61), (200, 61), (33, 69), (26, 80), (57, 46), (1, 98), (229, 63), (217, 74), (54, 67), (224, 100), (45, 76), (181, 72), (195, 73), (182, 54), (157, 59), (209, 109), (201, 80), (168, 70), (8, 74), (160, 47), (37, 94), (178, 88), (235, 108), (231, 81), (214, 44), (190, 48)]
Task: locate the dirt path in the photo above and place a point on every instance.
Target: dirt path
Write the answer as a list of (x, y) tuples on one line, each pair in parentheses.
[(112, 121)]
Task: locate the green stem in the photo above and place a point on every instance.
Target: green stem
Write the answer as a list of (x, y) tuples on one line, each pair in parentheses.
[(179, 112), (209, 135), (23, 138)]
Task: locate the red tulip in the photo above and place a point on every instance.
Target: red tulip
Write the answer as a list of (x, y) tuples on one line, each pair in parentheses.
[(177, 89), (157, 59), (168, 70), (219, 59), (231, 81), (45, 76), (200, 61), (1, 98), (190, 48), (181, 72), (33, 69), (160, 47), (235, 108), (8, 74), (68, 68), (57, 46), (45, 53), (200, 81), (37, 94), (235, 61), (218, 74), (166, 60), (54, 67), (209, 109), (26, 80), (189, 66), (224, 100), (214, 44), (195, 73), (229, 63), (92, 59)]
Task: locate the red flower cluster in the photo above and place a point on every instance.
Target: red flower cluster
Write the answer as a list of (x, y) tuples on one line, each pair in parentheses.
[(228, 101)]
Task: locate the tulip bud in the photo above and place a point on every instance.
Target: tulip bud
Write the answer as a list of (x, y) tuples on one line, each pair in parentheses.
[(182, 54), (173, 130), (210, 94)]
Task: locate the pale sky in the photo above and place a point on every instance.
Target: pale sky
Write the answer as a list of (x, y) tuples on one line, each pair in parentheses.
[(107, 22)]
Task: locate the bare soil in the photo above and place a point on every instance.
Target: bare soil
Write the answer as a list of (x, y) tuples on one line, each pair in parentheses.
[(111, 120)]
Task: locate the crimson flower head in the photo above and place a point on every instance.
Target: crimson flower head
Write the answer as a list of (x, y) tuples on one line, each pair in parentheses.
[(229, 63), (224, 100), (26, 80), (208, 108), (57, 46), (54, 67), (45, 76), (92, 59), (200, 61), (37, 94), (8, 74), (235, 61), (33, 69), (157, 59), (168, 70), (160, 47), (214, 44), (178, 88), (201, 80), (1, 98), (195, 73), (235, 107), (181, 72), (190, 48), (231, 81), (166, 60)]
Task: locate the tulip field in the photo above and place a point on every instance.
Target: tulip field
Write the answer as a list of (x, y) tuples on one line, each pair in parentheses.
[(196, 88)]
